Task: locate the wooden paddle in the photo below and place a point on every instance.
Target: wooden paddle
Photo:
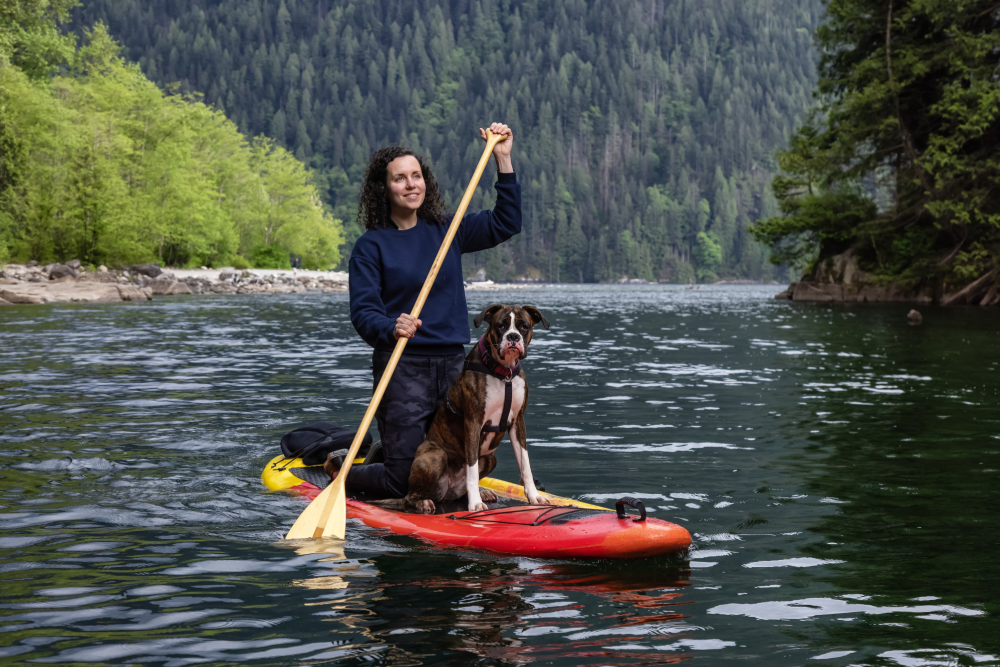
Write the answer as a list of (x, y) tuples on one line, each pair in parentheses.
[(326, 516)]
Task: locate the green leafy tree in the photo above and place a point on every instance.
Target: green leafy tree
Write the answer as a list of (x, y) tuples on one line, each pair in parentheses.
[(273, 256), (708, 254), (99, 164), (287, 210), (30, 35)]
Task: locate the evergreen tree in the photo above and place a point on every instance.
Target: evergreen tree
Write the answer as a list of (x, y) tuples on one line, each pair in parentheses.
[(900, 164), (610, 98)]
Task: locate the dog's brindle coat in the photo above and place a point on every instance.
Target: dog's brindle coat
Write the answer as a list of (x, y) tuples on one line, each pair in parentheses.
[(456, 452)]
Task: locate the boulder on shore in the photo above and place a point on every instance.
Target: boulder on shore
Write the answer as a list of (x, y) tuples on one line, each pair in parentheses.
[(98, 277), (134, 293), (151, 269), (165, 287), (61, 271), (839, 278), (34, 293), (807, 292)]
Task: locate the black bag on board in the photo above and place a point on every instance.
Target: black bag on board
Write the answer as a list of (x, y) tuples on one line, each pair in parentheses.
[(312, 443)]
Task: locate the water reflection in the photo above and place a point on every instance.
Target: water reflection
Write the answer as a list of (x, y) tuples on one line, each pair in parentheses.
[(526, 611), (904, 426), (837, 468)]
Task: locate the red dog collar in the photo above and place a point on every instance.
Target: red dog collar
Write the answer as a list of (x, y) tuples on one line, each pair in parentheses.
[(491, 365)]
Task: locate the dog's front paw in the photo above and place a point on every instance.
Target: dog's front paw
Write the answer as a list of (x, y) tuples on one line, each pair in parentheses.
[(487, 495), (425, 506), (537, 499), (478, 507)]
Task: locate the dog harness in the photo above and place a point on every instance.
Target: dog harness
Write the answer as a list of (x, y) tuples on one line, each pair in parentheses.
[(486, 365)]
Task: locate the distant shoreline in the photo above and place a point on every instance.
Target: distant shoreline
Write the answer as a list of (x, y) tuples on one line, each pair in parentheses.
[(22, 284)]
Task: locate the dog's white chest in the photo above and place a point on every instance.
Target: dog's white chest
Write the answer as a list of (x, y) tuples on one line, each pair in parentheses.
[(495, 390)]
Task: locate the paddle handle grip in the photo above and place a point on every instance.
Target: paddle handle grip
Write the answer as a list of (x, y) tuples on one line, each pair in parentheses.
[(337, 531)]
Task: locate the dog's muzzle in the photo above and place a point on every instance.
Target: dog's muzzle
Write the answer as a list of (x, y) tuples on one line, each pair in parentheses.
[(512, 341)]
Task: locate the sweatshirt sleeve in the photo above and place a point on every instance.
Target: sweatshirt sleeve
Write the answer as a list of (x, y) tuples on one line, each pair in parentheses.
[(488, 229), (367, 310)]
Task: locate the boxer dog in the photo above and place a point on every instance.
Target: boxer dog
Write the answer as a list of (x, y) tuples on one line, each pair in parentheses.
[(460, 447)]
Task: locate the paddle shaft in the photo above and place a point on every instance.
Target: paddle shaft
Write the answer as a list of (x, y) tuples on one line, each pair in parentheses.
[(334, 501)]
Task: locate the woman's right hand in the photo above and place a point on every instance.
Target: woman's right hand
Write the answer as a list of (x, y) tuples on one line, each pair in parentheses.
[(406, 326), (501, 151)]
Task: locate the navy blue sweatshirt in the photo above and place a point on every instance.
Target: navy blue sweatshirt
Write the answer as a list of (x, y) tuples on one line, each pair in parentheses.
[(389, 266)]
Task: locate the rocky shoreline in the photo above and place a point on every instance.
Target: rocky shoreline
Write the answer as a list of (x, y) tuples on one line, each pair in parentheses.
[(838, 279), (53, 283)]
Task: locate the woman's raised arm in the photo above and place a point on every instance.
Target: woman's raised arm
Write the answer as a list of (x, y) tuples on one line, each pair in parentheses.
[(488, 229)]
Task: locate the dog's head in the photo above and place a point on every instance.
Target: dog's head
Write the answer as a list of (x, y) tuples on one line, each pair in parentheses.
[(509, 331)]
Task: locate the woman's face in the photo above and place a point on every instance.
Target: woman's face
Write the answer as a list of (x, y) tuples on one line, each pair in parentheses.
[(406, 183)]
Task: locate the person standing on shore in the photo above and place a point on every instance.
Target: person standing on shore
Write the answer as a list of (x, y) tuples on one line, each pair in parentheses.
[(405, 217)]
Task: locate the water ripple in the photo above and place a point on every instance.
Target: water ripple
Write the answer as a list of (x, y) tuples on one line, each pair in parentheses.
[(831, 451)]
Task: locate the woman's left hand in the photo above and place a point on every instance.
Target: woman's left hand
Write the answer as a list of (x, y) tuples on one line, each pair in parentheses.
[(501, 151)]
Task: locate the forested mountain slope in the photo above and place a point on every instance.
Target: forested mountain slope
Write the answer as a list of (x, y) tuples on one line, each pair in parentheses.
[(644, 129)]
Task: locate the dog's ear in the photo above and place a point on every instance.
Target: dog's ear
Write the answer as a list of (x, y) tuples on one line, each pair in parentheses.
[(536, 316), (486, 314)]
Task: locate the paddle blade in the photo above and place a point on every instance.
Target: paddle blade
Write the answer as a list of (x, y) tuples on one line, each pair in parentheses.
[(336, 525), (305, 526)]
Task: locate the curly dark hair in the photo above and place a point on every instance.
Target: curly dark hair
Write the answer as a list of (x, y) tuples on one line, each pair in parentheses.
[(373, 204)]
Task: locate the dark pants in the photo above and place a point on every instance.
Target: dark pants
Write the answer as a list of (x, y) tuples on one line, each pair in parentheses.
[(418, 386)]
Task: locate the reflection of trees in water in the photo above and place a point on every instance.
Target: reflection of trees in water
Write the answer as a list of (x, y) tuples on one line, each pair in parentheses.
[(910, 464), (511, 614)]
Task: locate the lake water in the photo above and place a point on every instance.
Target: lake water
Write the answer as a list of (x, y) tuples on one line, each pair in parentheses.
[(838, 469)]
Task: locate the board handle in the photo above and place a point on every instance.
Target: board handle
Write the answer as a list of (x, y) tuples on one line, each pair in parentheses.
[(631, 502)]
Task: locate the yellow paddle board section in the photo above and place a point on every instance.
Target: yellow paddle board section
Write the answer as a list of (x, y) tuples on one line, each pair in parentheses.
[(510, 491), (277, 476)]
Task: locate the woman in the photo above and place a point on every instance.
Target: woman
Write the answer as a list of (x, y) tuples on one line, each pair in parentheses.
[(404, 215)]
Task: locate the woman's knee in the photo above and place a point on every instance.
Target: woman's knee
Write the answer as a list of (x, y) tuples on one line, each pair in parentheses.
[(397, 478)]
